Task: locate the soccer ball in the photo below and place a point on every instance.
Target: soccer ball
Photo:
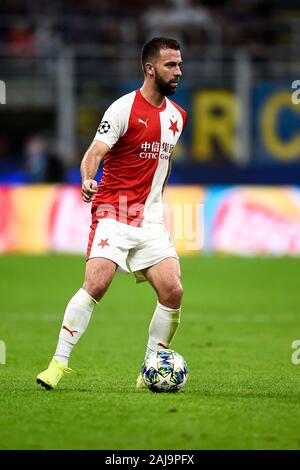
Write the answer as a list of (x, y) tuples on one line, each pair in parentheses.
[(164, 371)]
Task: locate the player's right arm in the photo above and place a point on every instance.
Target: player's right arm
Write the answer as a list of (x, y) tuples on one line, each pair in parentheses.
[(113, 125), (89, 167)]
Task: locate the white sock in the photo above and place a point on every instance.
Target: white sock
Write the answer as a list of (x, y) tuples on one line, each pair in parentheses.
[(162, 328), (75, 322)]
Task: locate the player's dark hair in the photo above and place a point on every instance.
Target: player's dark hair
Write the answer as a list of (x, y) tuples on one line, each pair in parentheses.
[(152, 48)]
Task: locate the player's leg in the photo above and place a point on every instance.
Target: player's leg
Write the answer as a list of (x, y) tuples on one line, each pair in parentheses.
[(98, 276), (165, 279)]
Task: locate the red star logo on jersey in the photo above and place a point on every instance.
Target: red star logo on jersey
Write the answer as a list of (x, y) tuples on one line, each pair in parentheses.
[(173, 127), (103, 243)]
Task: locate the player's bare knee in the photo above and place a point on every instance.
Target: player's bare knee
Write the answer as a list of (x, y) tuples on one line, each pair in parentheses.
[(94, 290), (172, 297), (177, 294)]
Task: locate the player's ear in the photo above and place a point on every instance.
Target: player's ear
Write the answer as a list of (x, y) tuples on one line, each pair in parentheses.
[(149, 68)]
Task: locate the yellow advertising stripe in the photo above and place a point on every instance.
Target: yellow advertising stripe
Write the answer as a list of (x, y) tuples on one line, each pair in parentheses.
[(32, 209), (184, 214)]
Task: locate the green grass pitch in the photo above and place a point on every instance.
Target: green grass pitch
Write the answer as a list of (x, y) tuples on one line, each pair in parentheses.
[(239, 319)]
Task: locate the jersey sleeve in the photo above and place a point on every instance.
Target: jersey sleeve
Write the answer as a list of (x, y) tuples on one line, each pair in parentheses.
[(185, 120), (112, 126)]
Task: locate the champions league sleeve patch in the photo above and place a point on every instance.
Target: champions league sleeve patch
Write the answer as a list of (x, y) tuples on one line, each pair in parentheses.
[(104, 127)]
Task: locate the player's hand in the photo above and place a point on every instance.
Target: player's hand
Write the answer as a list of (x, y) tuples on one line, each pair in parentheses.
[(88, 190)]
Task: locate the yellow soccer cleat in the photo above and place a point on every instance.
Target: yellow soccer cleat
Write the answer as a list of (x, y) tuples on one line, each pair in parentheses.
[(50, 377), (140, 382)]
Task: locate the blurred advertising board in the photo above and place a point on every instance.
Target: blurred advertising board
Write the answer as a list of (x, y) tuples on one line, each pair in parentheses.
[(273, 125), (235, 220), (253, 220), (41, 218), (276, 124)]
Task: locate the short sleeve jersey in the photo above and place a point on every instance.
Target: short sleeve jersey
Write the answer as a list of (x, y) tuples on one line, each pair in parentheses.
[(141, 138)]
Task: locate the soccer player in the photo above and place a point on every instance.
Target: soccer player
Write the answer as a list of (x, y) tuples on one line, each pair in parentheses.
[(135, 139)]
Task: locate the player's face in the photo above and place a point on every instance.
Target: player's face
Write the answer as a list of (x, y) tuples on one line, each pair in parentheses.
[(167, 71)]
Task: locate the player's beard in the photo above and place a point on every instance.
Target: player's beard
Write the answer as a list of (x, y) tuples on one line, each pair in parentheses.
[(165, 88)]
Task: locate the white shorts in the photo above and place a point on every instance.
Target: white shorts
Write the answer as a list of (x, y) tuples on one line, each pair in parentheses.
[(131, 248)]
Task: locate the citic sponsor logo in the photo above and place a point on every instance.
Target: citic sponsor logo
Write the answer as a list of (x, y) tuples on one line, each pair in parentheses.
[(155, 150)]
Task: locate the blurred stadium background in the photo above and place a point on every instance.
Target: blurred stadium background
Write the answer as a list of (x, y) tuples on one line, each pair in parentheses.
[(62, 63)]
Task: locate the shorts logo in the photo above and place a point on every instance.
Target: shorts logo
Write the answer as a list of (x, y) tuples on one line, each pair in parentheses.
[(103, 243), (104, 127)]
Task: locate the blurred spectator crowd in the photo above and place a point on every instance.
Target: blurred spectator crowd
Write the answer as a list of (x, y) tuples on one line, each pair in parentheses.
[(30, 30), (28, 27)]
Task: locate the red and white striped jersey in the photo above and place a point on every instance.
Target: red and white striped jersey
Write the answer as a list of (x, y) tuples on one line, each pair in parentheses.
[(141, 138)]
